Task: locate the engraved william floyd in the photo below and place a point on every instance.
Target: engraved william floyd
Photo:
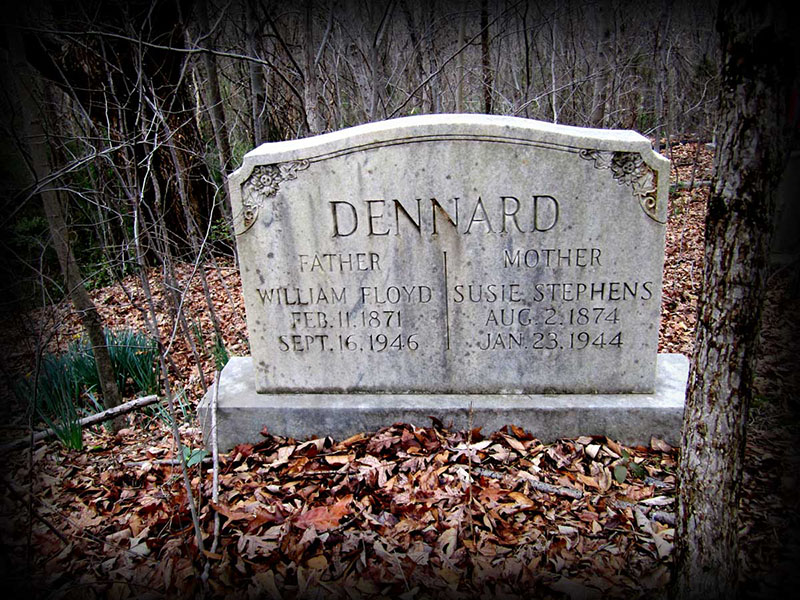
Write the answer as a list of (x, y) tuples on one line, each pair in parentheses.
[(453, 254)]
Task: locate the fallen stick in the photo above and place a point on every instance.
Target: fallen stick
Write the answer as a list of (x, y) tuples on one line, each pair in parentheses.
[(688, 185), (540, 486), (170, 462), (667, 518), (214, 480), (85, 422)]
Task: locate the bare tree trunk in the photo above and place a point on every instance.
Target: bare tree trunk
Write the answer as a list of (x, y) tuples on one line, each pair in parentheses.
[(752, 144), (375, 79), (173, 292), (258, 100), (526, 40), (217, 113), (554, 93), (152, 324), (198, 245), (214, 97), (602, 29), (38, 144), (73, 279), (426, 101), (160, 239), (316, 125), (661, 73), (433, 66), (462, 26), (485, 58)]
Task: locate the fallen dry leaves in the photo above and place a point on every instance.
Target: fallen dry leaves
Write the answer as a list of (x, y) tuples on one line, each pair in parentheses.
[(683, 260), (405, 511), (408, 511)]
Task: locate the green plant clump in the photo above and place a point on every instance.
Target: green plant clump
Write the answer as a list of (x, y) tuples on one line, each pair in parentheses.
[(133, 359), (55, 399), (220, 354), (67, 382), (218, 351), (182, 410)]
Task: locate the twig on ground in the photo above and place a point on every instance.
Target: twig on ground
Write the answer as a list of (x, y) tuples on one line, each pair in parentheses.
[(690, 185), (667, 518), (85, 422), (539, 486), (215, 474), (173, 462), (469, 473)]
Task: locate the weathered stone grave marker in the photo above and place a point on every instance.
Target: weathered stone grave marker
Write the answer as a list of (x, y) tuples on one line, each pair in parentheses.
[(437, 265)]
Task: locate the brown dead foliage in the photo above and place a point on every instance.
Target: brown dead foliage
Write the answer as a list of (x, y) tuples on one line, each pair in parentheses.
[(410, 511), (683, 261), (406, 511)]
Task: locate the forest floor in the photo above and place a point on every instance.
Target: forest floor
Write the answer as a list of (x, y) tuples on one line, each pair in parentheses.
[(409, 511)]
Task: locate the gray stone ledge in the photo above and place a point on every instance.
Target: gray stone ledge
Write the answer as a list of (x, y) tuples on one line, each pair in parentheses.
[(629, 418)]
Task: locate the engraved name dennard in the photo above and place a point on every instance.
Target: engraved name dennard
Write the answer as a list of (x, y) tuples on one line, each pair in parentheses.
[(501, 214)]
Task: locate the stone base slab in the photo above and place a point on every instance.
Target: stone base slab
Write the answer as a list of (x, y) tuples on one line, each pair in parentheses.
[(629, 418)]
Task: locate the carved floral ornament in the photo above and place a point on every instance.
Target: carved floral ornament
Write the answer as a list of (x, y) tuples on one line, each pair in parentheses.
[(629, 169), (263, 183)]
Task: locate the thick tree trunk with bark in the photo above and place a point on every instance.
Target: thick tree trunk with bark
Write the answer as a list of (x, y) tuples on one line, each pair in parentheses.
[(752, 146)]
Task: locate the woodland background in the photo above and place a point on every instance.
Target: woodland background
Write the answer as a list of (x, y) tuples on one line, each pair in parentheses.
[(143, 109), (147, 106)]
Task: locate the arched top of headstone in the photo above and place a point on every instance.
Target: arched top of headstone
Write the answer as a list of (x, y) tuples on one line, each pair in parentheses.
[(626, 155)]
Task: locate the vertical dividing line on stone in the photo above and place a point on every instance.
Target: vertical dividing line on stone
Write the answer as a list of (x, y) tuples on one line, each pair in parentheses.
[(446, 305)]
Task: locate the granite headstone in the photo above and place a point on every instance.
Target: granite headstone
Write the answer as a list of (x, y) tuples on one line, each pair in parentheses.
[(423, 265)]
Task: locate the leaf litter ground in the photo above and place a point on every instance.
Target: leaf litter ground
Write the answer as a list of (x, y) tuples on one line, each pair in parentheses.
[(410, 511)]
